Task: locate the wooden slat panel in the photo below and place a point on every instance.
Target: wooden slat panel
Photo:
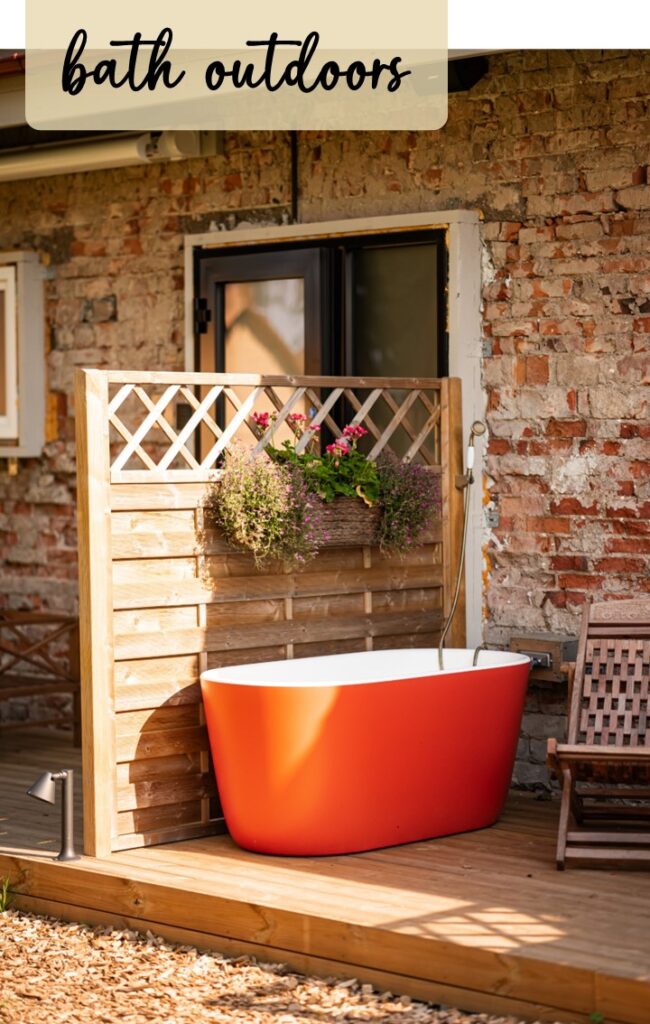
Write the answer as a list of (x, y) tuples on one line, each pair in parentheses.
[(140, 746), (405, 600), (163, 791), (140, 497), (153, 534), (158, 619), (223, 616), (388, 574), (174, 834), (306, 609), (156, 681), (147, 819), (154, 769), (195, 640), (147, 720), (219, 659), (155, 572)]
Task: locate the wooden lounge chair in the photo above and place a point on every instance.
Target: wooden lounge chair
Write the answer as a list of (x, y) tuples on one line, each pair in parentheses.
[(604, 767), (39, 655)]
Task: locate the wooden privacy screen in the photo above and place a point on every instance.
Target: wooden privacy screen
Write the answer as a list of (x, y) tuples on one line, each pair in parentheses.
[(157, 608)]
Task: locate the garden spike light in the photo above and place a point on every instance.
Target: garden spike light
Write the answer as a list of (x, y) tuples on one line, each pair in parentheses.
[(45, 789)]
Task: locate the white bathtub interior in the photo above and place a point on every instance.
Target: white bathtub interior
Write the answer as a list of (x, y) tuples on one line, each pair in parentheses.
[(361, 667)]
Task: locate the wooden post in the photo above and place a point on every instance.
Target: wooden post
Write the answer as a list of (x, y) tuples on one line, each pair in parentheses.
[(95, 610), (451, 454)]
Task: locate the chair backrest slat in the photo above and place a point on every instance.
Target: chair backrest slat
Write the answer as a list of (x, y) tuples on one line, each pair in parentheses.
[(611, 694)]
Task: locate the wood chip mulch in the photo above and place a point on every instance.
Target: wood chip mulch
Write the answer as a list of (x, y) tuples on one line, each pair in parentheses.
[(54, 972)]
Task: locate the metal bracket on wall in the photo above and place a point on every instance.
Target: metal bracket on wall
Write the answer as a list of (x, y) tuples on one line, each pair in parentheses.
[(492, 518)]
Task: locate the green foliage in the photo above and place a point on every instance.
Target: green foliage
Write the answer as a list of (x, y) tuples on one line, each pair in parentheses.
[(262, 507), (410, 494), (5, 895), (271, 504), (334, 474), (596, 1018)]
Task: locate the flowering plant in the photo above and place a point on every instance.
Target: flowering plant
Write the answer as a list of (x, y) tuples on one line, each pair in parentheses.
[(272, 504), (264, 508), (341, 471), (409, 493)]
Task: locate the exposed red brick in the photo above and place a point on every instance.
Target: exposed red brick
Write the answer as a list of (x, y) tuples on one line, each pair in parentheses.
[(548, 524), (498, 446), (620, 565), (566, 428), (633, 545), (573, 507), (565, 598), (569, 563), (576, 581)]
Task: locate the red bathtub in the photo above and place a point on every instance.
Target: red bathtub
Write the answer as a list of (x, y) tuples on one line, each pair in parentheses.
[(353, 752)]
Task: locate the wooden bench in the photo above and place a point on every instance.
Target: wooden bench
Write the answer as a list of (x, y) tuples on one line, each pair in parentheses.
[(39, 655)]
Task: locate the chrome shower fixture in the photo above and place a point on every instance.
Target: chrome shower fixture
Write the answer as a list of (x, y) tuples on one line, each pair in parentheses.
[(477, 429)]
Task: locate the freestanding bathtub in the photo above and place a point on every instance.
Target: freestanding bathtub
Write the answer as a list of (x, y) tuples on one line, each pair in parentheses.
[(353, 752)]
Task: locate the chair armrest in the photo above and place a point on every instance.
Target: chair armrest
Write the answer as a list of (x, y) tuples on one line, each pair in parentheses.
[(567, 753)]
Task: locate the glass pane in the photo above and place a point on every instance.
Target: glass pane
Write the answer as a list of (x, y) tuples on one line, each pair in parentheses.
[(265, 326), (265, 333), (395, 323), (3, 356), (395, 311)]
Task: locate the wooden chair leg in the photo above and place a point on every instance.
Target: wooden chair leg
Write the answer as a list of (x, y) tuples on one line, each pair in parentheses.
[(563, 825)]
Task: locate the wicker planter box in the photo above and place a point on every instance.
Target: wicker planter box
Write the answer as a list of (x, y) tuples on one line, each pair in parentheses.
[(349, 522)]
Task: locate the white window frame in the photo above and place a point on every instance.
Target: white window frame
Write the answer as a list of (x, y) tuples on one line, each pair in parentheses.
[(24, 436), (9, 422), (462, 229)]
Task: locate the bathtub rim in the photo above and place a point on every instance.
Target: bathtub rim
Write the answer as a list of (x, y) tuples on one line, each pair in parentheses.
[(461, 659)]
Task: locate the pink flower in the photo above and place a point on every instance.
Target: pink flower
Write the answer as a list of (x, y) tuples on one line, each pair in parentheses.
[(315, 427), (339, 447), (261, 419), (296, 417), (354, 431)]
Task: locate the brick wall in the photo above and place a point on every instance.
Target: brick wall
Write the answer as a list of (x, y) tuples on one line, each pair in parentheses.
[(552, 148)]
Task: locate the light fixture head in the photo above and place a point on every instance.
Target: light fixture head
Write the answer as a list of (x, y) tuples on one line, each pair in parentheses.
[(44, 788)]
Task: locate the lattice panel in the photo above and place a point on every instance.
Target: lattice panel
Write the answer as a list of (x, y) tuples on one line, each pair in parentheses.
[(614, 708), (178, 427)]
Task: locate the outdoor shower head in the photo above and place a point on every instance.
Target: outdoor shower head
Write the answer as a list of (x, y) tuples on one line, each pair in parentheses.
[(476, 430)]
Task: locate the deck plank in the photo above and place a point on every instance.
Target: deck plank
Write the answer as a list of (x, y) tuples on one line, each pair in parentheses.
[(481, 920)]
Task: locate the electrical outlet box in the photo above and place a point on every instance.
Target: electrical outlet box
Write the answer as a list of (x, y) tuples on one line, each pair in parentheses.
[(547, 652)]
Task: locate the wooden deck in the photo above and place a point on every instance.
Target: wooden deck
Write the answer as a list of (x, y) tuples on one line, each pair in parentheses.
[(481, 921)]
